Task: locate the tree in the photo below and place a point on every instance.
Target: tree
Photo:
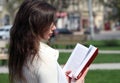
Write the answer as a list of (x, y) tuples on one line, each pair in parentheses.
[(114, 5), (59, 4), (12, 6)]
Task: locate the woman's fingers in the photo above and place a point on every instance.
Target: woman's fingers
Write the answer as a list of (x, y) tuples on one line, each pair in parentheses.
[(67, 73), (68, 78), (82, 77)]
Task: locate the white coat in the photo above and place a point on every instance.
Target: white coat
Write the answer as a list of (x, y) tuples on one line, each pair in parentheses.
[(44, 69)]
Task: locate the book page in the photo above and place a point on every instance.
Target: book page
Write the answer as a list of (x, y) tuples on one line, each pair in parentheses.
[(76, 58), (90, 53)]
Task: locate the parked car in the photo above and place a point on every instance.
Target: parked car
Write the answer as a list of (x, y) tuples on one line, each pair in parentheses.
[(5, 32), (63, 31)]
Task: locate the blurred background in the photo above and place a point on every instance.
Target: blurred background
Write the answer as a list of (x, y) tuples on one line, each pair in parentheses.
[(88, 17), (95, 22)]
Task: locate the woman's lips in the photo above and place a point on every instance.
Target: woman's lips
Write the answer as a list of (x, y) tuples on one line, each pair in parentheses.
[(50, 34)]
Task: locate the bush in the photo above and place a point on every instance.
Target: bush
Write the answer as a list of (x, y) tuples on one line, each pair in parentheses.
[(111, 43)]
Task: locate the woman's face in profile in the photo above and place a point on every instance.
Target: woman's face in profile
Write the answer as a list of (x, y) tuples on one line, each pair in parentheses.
[(49, 33)]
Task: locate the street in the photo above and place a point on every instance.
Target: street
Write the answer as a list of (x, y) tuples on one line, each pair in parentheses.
[(106, 35)]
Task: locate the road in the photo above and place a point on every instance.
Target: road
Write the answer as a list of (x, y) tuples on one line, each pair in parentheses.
[(106, 35)]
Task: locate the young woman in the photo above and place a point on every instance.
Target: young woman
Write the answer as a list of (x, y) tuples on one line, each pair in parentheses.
[(31, 60)]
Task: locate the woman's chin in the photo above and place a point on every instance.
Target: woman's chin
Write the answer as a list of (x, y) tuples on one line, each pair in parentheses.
[(47, 38)]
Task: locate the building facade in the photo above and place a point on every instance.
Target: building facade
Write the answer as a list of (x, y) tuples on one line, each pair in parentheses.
[(75, 6), (81, 7), (4, 14)]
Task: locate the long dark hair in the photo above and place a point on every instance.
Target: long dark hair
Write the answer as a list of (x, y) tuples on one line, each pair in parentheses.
[(32, 20)]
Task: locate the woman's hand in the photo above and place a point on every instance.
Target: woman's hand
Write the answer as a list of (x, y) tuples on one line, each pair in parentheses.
[(68, 78), (82, 78)]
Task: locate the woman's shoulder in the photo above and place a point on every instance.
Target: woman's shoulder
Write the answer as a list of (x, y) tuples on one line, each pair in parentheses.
[(46, 50)]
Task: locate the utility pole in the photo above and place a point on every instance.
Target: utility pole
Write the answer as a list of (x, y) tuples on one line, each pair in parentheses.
[(91, 18)]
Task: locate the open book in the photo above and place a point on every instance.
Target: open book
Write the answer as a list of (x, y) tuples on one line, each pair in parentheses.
[(80, 59)]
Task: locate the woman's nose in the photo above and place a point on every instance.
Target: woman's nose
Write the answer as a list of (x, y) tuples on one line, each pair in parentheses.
[(54, 27)]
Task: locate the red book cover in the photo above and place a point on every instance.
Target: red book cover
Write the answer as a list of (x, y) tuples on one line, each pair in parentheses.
[(89, 62)]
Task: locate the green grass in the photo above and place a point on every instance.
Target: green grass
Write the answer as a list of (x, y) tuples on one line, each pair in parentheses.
[(101, 44), (4, 78), (105, 44), (63, 58), (107, 58), (93, 76), (109, 48), (103, 76), (101, 58)]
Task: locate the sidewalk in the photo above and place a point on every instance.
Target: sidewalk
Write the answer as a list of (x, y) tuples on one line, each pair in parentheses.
[(105, 66), (100, 51)]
